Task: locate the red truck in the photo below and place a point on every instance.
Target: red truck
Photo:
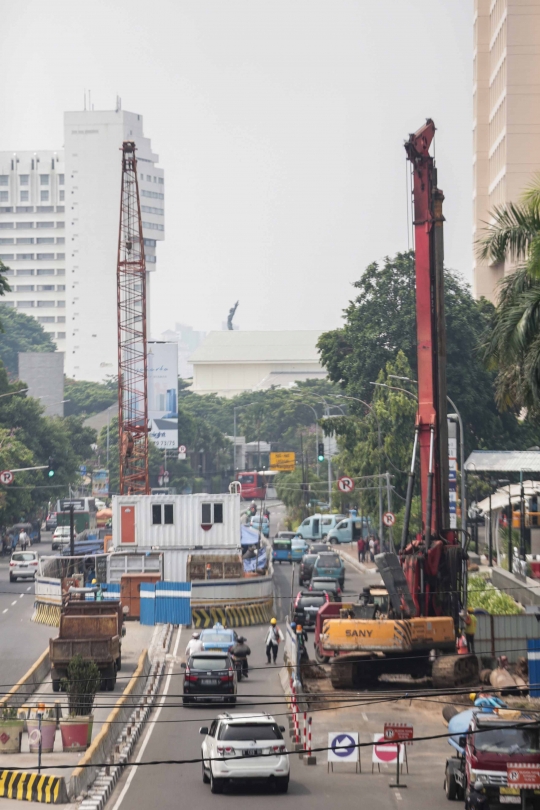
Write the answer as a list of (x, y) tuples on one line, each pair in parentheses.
[(493, 740)]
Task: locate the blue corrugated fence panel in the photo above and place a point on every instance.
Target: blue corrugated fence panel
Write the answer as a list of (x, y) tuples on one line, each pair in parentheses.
[(111, 590), (173, 603), (533, 649), (148, 603)]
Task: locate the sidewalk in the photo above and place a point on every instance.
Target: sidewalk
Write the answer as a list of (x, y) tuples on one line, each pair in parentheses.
[(349, 553), (137, 638)]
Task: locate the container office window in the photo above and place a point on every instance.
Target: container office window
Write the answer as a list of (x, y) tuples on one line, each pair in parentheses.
[(211, 513), (162, 513)]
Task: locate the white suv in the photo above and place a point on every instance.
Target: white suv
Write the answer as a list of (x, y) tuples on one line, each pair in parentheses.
[(244, 747)]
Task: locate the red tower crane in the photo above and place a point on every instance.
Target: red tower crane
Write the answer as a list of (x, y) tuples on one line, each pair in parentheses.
[(132, 369)]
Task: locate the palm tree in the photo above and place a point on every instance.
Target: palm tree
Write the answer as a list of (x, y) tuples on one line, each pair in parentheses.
[(512, 346)]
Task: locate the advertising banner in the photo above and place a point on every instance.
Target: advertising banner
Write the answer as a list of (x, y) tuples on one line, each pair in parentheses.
[(163, 394), (100, 483)]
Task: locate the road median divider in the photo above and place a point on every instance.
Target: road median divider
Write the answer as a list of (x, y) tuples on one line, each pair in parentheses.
[(102, 746), (27, 685)]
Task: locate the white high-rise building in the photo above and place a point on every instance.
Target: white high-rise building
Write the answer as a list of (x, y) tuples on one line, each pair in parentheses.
[(32, 237), (93, 141), (506, 128)]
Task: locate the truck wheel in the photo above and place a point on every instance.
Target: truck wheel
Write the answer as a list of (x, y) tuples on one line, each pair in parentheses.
[(450, 785), (119, 663)]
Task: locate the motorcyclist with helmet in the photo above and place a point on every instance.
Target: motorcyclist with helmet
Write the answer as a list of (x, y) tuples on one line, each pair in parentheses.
[(239, 653)]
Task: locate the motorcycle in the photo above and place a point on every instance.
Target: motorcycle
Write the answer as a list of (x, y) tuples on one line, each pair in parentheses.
[(241, 661)]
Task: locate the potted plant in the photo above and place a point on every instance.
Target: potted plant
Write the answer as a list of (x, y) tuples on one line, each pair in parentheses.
[(82, 683), (46, 728), (11, 729)]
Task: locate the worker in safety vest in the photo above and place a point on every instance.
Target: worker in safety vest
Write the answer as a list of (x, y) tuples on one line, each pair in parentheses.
[(470, 622), (461, 645)]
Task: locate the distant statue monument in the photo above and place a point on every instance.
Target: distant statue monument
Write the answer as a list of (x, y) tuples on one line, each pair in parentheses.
[(231, 316)]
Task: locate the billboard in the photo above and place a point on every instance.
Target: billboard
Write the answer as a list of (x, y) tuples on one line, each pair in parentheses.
[(100, 483), (163, 394)]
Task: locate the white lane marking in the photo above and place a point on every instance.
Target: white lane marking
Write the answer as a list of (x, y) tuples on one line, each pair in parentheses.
[(21, 596), (364, 716), (14, 603), (398, 796), (28, 587), (5, 611), (150, 729)]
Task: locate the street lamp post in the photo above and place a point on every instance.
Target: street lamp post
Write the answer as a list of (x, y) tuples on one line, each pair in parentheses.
[(372, 410), (237, 408), (502, 481)]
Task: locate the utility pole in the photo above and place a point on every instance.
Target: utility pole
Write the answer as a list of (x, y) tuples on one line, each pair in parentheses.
[(521, 517), (71, 530), (389, 501)]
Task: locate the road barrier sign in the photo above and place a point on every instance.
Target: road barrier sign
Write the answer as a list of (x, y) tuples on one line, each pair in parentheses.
[(398, 732), (389, 519), (6, 477), (523, 775), (182, 450), (283, 462), (343, 747), (345, 484)]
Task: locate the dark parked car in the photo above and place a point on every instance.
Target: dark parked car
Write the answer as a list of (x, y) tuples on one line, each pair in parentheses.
[(209, 676), (306, 607), (306, 568), (328, 584)]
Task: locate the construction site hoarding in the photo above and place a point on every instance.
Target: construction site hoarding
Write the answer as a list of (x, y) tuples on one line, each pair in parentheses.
[(163, 394)]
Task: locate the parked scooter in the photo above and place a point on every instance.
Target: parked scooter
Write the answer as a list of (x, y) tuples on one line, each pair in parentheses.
[(239, 654)]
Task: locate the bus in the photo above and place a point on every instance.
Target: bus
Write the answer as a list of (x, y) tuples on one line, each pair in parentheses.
[(256, 484), (84, 513)]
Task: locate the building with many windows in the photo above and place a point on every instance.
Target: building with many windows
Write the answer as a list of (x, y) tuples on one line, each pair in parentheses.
[(506, 118), (33, 237), (59, 221), (92, 142)]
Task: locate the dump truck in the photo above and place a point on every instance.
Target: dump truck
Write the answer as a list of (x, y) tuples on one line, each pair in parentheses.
[(486, 742), (93, 630)]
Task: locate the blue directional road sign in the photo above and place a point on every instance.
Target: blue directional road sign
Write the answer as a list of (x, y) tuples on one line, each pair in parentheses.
[(82, 469), (343, 746)]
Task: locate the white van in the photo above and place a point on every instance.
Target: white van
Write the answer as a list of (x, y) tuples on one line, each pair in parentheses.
[(316, 527)]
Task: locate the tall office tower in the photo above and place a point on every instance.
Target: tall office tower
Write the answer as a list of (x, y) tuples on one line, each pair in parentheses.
[(32, 237), (93, 143), (506, 128)]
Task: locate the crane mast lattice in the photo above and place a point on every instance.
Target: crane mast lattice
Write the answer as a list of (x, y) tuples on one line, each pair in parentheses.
[(132, 367)]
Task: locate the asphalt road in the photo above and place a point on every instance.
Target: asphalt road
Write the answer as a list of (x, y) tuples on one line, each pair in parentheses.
[(21, 640), (174, 735)]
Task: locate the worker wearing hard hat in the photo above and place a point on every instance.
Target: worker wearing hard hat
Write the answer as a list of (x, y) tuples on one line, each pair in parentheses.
[(271, 641), (470, 622)]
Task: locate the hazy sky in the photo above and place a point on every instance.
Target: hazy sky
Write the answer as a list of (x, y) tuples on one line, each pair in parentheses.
[(280, 127)]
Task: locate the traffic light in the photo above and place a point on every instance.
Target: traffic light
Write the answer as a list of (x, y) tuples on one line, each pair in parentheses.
[(52, 467), (320, 455)]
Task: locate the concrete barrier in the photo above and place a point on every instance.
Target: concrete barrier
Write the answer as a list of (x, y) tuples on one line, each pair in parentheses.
[(242, 615), (28, 684), (528, 592), (244, 590), (102, 746)]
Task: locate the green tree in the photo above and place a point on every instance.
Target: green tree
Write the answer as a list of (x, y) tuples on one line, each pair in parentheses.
[(20, 333), (88, 398), (381, 321)]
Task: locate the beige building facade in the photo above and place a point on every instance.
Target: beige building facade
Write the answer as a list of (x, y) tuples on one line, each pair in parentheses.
[(506, 116)]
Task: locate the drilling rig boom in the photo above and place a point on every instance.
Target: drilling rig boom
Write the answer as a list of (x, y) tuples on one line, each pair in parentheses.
[(132, 368)]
